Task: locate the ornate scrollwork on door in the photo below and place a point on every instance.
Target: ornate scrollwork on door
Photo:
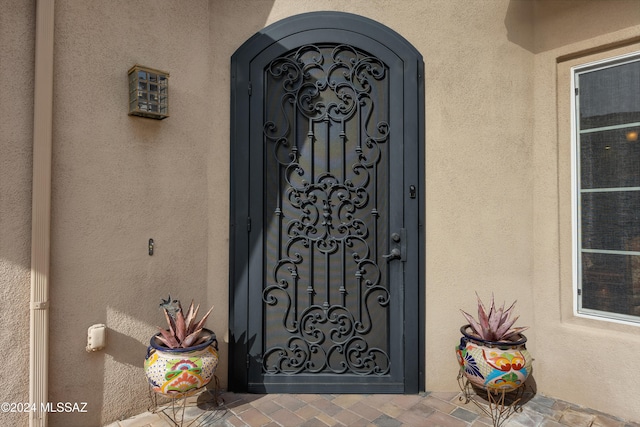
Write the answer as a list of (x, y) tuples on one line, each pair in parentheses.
[(326, 134)]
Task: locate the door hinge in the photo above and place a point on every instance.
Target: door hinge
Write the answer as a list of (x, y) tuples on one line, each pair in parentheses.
[(579, 292), (249, 88), (576, 91), (248, 361), (249, 224)]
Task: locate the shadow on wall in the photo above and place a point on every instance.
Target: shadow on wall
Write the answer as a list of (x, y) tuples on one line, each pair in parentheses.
[(134, 356), (542, 25)]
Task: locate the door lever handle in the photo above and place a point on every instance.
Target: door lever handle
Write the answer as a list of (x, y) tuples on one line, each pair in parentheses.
[(395, 253), (398, 246)]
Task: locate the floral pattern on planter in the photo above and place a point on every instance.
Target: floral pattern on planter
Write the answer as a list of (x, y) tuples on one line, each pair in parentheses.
[(494, 366), (181, 371)]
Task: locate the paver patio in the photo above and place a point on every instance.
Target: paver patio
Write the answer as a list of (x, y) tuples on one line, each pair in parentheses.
[(379, 410)]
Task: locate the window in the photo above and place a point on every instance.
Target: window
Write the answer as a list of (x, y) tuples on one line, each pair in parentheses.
[(607, 177)]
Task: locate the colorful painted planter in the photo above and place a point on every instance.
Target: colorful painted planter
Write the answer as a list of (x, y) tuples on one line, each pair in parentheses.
[(493, 365), (181, 371)]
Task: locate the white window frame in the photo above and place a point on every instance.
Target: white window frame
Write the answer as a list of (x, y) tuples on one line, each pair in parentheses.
[(578, 310)]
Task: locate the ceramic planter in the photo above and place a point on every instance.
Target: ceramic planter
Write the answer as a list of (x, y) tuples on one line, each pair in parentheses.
[(493, 365), (181, 371)]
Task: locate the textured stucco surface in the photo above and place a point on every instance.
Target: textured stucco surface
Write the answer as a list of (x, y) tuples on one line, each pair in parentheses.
[(119, 181), (16, 133), (495, 184), (580, 359)]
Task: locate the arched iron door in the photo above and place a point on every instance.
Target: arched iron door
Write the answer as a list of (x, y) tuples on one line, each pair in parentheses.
[(326, 209)]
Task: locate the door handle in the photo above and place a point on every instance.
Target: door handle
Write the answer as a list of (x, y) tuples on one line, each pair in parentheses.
[(395, 253), (398, 246)]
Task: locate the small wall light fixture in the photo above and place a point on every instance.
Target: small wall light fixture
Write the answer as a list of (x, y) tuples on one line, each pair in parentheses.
[(148, 92)]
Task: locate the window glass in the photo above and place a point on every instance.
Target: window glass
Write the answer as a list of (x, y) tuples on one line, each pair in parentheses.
[(609, 160), (609, 96), (610, 220), (608, 176)]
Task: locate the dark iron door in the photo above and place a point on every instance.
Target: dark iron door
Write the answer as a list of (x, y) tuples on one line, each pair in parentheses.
[(326, 280)]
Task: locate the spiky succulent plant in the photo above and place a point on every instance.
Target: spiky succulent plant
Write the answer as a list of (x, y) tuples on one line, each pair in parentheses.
[(184, 331), (496, 325)]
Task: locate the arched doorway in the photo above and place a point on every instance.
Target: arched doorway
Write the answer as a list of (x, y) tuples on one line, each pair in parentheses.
[(327, 205)]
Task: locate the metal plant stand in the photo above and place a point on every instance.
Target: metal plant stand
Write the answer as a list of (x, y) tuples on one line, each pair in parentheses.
[(499, 405), (208, 402)]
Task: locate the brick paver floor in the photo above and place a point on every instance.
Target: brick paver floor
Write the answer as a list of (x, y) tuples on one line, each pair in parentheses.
[(376, 410)]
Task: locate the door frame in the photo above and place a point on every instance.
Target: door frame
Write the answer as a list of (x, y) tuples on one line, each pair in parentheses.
[(242, 241)]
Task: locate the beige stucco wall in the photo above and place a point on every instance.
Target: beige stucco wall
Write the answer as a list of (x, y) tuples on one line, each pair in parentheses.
[(119, 181), (580, 360), (16, 134), (495, 184)]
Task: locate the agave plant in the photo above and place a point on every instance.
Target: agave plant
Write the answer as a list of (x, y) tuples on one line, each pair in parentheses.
[(184, 331), (495, 325)]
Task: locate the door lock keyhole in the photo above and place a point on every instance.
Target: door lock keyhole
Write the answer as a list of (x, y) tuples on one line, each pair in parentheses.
[(412, 191)]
